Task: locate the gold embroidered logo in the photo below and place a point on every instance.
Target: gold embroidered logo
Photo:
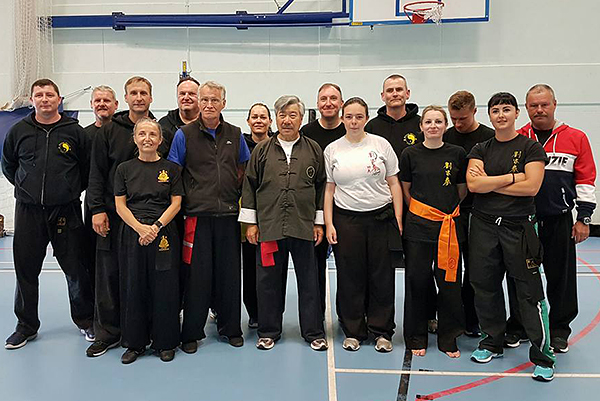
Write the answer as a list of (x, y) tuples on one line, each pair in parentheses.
[(516, 157), (163, 176), (447, 171), (163, 245), (64, 147), (410, 138)]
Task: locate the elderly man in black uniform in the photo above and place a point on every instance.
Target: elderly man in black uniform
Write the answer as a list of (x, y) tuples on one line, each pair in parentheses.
[(283, 203), (45, 156)]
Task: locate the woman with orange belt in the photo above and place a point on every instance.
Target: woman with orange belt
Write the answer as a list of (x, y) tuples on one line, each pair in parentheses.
[(433, 182)]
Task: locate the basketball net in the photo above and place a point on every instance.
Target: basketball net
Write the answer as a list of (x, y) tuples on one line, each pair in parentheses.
[(419, 12)]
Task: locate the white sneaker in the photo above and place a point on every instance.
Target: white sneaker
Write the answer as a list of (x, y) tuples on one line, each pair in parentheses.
[(383, 345), (320, 344), (351, 344), (265, 343)]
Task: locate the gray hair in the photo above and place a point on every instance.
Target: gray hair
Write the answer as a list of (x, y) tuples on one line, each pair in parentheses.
[(540, 88), (104, 88), (214, 85), (289, 100)]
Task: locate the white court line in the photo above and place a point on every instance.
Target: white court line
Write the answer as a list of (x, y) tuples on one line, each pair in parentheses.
[(450, 373), (331, 370)]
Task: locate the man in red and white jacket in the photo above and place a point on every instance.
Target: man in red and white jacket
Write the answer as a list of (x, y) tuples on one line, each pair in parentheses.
[(568, 182)]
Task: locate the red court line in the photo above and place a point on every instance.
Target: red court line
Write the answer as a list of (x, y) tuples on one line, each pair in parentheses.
[(587, 329)]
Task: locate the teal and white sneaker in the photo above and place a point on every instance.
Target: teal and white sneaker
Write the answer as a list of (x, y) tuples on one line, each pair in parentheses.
[(484, 355), (543, 374)]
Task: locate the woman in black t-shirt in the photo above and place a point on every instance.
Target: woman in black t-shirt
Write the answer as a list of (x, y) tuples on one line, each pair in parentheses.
[(433, 180), (505, 173), (148, 193)]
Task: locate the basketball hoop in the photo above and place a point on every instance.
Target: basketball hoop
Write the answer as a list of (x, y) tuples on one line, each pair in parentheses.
[(419, 12)]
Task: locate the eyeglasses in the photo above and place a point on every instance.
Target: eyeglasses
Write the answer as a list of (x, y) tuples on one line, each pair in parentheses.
[(212, 101)]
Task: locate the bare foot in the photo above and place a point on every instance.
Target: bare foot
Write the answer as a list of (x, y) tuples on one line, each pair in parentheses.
[(455, 354), (418, 352)]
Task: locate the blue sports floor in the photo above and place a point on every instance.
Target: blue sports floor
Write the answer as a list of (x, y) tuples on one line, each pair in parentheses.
[(54, 366)]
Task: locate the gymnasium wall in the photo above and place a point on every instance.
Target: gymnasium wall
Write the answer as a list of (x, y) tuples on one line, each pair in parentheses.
[(525, 42)]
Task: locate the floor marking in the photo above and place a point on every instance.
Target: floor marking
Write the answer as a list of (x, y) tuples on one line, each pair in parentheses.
[(591, 326), (405, 377), (450, 373), (331, 382)]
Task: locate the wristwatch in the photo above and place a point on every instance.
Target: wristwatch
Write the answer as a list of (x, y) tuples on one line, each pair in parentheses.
[(158, 224), (586, 220)]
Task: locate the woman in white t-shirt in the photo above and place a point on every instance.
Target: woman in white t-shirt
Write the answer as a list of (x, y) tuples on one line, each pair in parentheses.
[(363, 216)]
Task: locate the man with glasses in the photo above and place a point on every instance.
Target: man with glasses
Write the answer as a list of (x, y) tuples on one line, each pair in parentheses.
[(212, 153)]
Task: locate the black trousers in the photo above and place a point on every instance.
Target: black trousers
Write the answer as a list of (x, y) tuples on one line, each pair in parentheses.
[(321, 261), (467, 293), (420, 257), (366, 281), (35, 227), (249, 279), (150, 289), (90, 245), (270, 286), (107, 316), (560, 267), (214, 275), (496, 250)]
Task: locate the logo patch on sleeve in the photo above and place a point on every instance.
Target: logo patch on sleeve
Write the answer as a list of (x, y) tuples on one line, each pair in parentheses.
[(410, 138)]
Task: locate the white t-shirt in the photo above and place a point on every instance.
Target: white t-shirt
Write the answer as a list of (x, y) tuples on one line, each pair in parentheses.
[(287, 147), (359, 171)]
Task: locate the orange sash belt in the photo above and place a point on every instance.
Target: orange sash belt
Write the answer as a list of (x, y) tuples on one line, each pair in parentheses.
[(448, 251)]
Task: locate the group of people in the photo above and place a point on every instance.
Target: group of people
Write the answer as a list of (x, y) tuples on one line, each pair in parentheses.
[(165, 201)]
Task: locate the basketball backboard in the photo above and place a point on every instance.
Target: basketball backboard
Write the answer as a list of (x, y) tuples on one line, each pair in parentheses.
[(376, 12)]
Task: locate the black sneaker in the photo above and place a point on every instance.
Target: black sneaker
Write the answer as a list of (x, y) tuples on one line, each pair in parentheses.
[(99, 348), (18, 340), (88, 334), (190, 347), (473, 332), (512, 340), (560, 345), (131, 355), (167, 355), (236, 341)]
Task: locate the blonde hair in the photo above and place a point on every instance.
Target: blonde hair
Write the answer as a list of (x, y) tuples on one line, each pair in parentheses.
[(434, 107)]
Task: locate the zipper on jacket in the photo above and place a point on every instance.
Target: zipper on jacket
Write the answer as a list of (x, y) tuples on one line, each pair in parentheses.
[(218, 175), (45, 166), (564, 196)]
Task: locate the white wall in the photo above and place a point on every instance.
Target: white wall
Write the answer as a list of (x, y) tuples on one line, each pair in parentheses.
[(525, 42)]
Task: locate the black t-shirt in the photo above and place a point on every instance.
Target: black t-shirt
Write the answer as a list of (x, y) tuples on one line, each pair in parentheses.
[(148, 186), (323, 136), (434, 175), (542, 135), (467, 141), (503, 158)]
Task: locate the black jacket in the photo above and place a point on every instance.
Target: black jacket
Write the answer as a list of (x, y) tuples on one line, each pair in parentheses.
[(170, 124), (211, 171), (399, 133), (112, 146), (47, 167)]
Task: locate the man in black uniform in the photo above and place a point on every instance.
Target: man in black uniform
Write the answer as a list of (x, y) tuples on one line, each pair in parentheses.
[(212, 153), (45, 156), (104, 103), (466, 132), (283, 198), (112, 146), (187, 110), (325, 130)]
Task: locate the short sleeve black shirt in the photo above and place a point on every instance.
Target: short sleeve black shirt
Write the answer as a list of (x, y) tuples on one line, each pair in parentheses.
[(434, 175), (504, 158), (323, 136), (148, 186), (467, 141)]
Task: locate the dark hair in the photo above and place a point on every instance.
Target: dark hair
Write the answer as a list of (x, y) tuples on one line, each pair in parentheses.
[(330, 85), (356, 100), (45, 82), (188, 78), (259, 104), (461, 100), (502, 98)]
